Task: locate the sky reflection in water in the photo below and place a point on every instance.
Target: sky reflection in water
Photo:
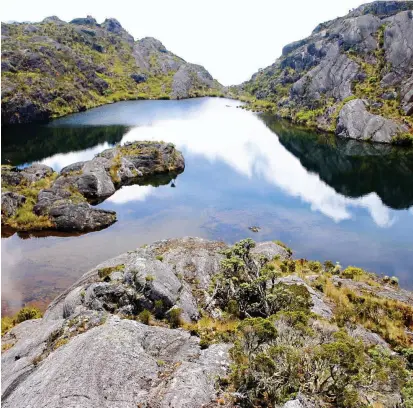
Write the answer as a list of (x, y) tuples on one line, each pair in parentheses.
[(238, 173)]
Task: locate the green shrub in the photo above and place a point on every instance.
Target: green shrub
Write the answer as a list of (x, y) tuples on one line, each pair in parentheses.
[(251, 285), (145, 316), (315, 266), (351, 272), (328, 266), (26, 313), (403, 139), (174, 317)]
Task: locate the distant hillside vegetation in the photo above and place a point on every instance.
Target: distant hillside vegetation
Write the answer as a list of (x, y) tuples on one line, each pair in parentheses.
[(352, 76), (53, 68)]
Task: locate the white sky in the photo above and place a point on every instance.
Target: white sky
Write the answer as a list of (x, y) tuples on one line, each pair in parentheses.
[(230, 38)]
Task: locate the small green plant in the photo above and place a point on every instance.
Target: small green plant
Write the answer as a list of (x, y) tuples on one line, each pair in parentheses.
[(158, 308), (104, 273), (145, 316), (149, 278), (159, 258), (351, 272), (403, 139), (174, 317)]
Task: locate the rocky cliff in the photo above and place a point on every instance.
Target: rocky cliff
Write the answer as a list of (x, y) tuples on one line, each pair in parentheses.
[(352, 76), (53, 68), (191, 323)]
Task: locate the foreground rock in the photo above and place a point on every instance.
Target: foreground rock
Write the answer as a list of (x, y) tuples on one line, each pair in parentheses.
[(61, 201), (121, 363), (90, 348), (365, 56), (82, 353)]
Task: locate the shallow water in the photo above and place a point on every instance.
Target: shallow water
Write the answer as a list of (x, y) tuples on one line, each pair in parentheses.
[(326, 198)]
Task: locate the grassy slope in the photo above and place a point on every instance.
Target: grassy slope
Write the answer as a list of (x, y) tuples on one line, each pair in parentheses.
[(65, 68)]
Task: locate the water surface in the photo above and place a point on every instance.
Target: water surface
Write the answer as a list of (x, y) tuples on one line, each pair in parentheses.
[(327, 198)]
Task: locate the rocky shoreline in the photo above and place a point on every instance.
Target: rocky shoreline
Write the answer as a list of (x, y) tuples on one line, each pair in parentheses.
[(153, 328), (37, 198), (352, 76)]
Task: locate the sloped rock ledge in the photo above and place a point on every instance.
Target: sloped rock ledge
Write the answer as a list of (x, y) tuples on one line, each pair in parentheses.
[(89, 349), (113, 362)]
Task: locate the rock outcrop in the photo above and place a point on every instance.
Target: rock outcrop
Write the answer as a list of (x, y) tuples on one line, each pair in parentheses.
[(366, 56), (53, 68), (93, 348), (62, 201), (83, 352), (356, 122)]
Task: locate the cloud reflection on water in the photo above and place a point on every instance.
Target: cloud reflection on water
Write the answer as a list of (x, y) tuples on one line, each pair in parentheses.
[(241, 141)]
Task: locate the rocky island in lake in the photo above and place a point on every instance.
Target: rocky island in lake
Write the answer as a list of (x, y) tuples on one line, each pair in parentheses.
[(38, 198)]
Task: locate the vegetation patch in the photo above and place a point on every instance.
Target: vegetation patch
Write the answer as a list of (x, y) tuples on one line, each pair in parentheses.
[(104, 273), (26, 313), (386, 317), (25, 219)]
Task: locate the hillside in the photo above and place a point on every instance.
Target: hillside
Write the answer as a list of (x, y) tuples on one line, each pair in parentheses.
[(53, 68), (352, 76)]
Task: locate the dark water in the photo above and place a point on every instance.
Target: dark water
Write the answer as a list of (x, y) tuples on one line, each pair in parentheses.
[(326, 198)]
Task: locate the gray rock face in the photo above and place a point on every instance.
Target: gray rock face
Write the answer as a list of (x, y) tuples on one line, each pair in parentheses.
[(319, 72), (407, 96), (189, 78), (166, 270), (113, 26), (80, 217), (10, 202), (151, 55), (398, 42), (121, 363), (357, 123), (10, 176), (95, 182), (332, 77), (36, 171)]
